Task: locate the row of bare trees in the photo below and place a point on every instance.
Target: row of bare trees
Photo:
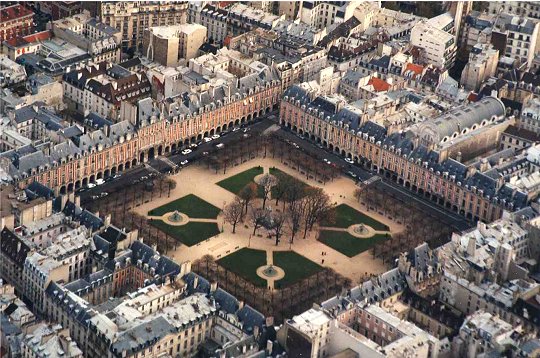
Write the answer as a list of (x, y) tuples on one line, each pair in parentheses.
[(303, 206), (260, 145), (279, 303), (119, 205), (420, 225)]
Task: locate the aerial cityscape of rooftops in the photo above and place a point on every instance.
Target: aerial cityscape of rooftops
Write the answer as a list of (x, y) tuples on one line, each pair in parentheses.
[(312, 179)]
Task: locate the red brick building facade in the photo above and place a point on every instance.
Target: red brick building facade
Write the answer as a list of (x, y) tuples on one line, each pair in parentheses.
[(127, 146), (15, 21)]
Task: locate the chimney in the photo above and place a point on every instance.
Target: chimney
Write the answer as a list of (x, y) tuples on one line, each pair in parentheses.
[(195, 282), (471, 247), (213, 287), (240, 305), (256, 331)]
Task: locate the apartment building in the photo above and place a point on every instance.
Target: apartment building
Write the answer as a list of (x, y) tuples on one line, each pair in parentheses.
[(101, 88), (321, 14), (17, 20), (438, 45), (482, 64), (52, 339), (100, 41), (520, 36), (132, 18), (66, 260), (170, 45), (530, 116)]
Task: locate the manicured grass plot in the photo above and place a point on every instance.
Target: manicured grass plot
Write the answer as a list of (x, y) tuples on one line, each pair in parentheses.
[(245, 263), (190, 234), (296, 267), (237, 182), (347, 244), (191, 205), (347, 216)]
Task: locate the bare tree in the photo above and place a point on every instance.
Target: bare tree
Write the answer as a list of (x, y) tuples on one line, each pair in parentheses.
[(278, 223), (247, 194), (233, 212), (316, 207), (294, 217), (257, 216), (267, 182)]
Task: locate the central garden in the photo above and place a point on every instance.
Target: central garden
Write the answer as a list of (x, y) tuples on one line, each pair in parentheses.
[(246, 261), (202, 223)]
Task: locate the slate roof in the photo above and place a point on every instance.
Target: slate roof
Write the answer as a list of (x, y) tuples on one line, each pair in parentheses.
[(13, 247), (371, 291)]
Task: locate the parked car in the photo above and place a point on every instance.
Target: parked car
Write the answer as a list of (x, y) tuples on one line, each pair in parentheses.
[(216, 136), (352, 175), (91, 185), (104, 194), (349, 160), (220, 145), (327, 161), (235, 129), (193, 145), (100, 181), (144, 177), (245, 130), (116, 176), (296, 146), (186, 151), (207, 139), (184, 162)]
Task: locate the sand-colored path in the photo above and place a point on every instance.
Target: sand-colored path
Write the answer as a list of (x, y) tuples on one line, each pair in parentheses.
[(200, 181)]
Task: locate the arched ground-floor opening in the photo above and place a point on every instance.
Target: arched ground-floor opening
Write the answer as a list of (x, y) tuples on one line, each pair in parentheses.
[(173, 147), (151, 153), (85, 182), (63, 189), (77, 184), (159, 150), (141, 157), (99, 175), (121, 167), (211, 132), (92, 178), (70, 187), (107, 173), (127, 166), (134, 162)]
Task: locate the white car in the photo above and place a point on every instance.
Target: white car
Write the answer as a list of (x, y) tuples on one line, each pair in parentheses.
[(193, 145), (235, 129), (207, 139), (184, 162), (186, 151), (327, 161), (215, 136), (349, 160), (91, 185)]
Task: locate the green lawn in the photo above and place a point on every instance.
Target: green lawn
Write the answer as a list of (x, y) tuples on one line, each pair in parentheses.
[(347, 216), (237, 182), (245, 263), (296, 267), (347, 244), (191, 205), (190, 234)]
